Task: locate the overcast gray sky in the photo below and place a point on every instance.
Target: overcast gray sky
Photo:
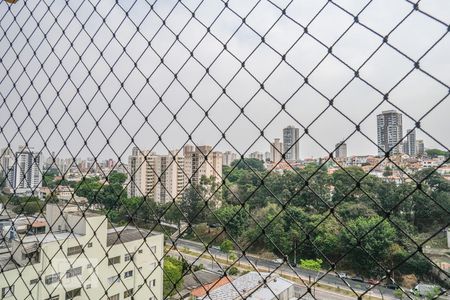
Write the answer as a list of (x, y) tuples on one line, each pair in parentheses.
[(22, 30)]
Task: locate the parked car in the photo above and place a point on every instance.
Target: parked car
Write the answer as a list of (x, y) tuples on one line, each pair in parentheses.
[(373, 281), (342, 275), (357, 278), (278, 260), (391, 286)]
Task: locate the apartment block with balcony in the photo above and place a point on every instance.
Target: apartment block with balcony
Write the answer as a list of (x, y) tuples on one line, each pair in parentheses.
[(78, 257)]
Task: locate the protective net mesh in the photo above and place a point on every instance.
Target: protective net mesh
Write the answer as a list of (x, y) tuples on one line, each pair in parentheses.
[(131, 135)]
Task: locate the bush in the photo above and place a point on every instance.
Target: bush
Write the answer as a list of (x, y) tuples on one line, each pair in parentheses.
[(233, 271)]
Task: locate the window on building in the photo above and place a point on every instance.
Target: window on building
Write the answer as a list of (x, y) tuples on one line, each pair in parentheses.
[(128, 293), (73, 293), (89, 245), (154, 282), (34, 281), (129, 256), (53, 298), (140, 251), (53, 278), (89, 266), (153, 250), (128, 274), (113, 279), (114, 297), (7, 291), (113, 260), (73, 272), (74, 250), (88, 286)]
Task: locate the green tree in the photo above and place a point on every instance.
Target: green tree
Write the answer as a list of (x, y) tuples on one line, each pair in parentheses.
[(234, 217), (436, 152), (117, 178), (193, 204), (311, 264), (173, 276), (249, 164), (226, 246), (28, 206), (373, 238)]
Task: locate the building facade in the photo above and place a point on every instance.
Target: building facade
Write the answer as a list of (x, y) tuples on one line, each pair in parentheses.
[(163, 178), (202, 161), (389, 132), (291, 135), (341, 150), (409, 146), (26, 178), (7, 159), (420, 148), (229, 157), (276, 150), (78, 257)]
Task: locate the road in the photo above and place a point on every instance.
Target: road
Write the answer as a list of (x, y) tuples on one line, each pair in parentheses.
[(213, 266), (283, 269)]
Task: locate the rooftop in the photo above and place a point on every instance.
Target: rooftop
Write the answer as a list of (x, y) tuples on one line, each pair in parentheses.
[(250, 286), (120, 235)]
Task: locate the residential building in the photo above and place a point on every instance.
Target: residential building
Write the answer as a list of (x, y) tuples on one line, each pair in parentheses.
[(229, 157), (420, 148), (257, 155), (169, 169), (164, 177), (201, 161), (291, 136), (160, 177), (252, 286), (389, 132), (141, 173), (341, 150), (409, 147), (7, 166), (276, 150), (27, 173), (78, 257)]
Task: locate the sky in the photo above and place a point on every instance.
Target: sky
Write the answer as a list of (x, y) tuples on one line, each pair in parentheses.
[(144, 74)]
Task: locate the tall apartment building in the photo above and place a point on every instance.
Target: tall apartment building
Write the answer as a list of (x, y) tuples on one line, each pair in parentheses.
[(409, 147), (420, 148), (7, 159), (169, 169), (27, 171), (257, 155), (78, 257), (389, 132), (164, 177), (202, 161), (291, 135), (228, 158), (341, 150), (276, 150)]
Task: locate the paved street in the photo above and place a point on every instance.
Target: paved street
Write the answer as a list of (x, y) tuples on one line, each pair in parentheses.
[(268, 265)]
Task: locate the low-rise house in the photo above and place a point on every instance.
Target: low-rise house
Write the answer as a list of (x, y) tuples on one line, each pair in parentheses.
[(254, 286)]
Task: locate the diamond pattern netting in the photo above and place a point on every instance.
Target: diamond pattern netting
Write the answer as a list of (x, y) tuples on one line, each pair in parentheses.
[(98, 78)]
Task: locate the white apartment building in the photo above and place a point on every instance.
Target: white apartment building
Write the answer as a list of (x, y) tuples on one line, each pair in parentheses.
[(202, 161), (26, 177), (228, 157), (165, 177), (7, 159), (276, 151), (80, 258)]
